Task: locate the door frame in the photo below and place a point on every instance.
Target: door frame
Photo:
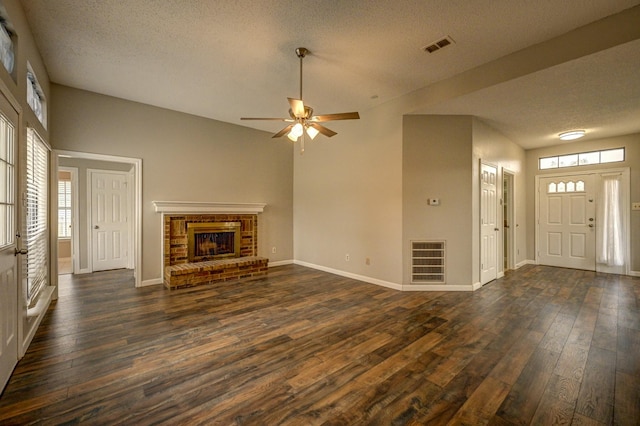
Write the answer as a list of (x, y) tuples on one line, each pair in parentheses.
[(136, 205), (75, 265), (509, 233), (130, 212), (626, 207)]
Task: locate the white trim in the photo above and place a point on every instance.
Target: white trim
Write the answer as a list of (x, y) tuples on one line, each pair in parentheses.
[(500, 274), (394, 286), (281, 263), (154, 281), (525, 262), (634, 273), (439, 287), (137, 205), (180, 207), (37, 312), (350, 275)]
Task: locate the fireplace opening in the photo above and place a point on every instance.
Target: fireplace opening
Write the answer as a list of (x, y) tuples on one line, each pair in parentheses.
[(213, 240)]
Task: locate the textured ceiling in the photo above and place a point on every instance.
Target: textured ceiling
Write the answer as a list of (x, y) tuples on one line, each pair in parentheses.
[(226, 59)]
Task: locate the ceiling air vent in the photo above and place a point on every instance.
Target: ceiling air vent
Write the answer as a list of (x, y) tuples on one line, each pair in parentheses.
[(437, 45)]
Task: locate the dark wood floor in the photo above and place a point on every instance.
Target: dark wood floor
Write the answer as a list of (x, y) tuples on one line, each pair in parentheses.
[(540, 346)]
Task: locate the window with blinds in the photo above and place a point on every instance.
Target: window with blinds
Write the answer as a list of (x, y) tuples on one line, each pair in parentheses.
[(36, 224), (64, 209)]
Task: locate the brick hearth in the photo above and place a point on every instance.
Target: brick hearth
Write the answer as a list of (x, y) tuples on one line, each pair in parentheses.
[(178, 272)]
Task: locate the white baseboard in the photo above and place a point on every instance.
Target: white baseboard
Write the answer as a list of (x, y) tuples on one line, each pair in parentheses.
[(525, 262), (394, 286), (83, 271), (281, 263), (634, 273), (350, 275), (440, 287), (154, 281)]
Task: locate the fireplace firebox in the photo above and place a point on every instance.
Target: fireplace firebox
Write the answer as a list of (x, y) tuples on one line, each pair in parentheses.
[(213, 240)]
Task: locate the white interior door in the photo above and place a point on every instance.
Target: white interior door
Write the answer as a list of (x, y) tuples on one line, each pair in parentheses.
[(488, 224), (8, 259), (566, 222), (109, 220)]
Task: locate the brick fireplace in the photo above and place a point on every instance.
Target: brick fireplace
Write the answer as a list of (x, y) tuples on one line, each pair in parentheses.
[(216, 260)]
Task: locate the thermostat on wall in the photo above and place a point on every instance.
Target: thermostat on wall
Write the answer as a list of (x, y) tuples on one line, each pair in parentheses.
[(434, 201)]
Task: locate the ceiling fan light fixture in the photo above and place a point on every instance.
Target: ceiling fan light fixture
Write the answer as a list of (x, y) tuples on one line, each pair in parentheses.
[(312, 132), (296, 132), (571, 135)]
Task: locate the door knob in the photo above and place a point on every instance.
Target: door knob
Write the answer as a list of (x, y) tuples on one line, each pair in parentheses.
[(96, 227), (495, 229), (590, 219), (21, 251), (591, 225)]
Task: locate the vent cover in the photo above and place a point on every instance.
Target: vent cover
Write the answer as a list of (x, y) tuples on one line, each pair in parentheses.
[(427, 262), (437, 45)]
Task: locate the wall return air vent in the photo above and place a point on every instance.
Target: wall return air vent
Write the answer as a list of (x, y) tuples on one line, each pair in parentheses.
[(427, 262), (437, 45)]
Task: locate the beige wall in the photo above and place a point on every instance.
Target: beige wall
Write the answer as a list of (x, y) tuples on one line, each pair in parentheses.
[(184, 158), (441, 159), (631, 143), (348, 197), (436, 164)]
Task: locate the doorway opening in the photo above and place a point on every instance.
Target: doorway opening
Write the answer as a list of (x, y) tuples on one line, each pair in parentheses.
[(508, 219), (67, 217), (83, 230)]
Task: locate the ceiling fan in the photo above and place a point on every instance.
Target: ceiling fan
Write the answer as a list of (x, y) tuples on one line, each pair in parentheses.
[(301, 116)]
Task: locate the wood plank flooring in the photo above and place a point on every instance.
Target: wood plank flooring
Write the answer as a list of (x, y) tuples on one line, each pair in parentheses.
[(302, 347)]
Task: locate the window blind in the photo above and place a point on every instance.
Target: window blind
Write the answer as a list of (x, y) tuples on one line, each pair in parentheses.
[(37, 223)]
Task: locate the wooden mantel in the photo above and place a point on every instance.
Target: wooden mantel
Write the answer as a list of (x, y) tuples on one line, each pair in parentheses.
[(185, 207)]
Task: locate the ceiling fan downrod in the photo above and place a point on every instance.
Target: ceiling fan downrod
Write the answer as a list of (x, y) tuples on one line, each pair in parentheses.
[(301, 52)]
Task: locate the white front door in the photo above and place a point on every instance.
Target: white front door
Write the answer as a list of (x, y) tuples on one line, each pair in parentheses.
[(566, 222), (8, 259), (109, 221), (488, 224)]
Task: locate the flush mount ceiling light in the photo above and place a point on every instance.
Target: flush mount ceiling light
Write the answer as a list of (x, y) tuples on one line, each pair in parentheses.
[(573, 134), (301, 116)]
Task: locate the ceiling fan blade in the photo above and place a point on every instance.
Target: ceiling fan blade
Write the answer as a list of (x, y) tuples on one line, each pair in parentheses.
[(339, 116), (297, 107), (265, 118), (327, 132), (283, 131)]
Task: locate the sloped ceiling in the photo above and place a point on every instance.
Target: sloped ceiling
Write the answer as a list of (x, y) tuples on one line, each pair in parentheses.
[(227, 59)]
